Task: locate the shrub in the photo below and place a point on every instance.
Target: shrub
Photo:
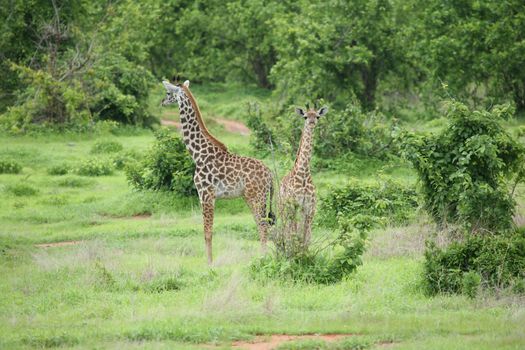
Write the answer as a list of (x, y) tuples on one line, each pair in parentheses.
[(164, 284), (382, 203), (490, 261), (94, 167), (9, 167), (262, 137), (59, 169), (21, 189), (324, 266), (125, 158), (106, 147), (465, 171), (167, 166), (352, 130)]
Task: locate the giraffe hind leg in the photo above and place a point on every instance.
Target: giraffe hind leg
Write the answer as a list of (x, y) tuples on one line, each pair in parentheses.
[(258, 208)]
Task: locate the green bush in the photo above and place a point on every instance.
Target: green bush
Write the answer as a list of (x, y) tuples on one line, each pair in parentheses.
[(167, 166), (368, 134), (59, 169), (490, 261), (387, 202), (166, 283), (10, 167), (94, 167), (106, 147), (262, 138), (465, 171), (324, 266), (21, 189), (125, 158)]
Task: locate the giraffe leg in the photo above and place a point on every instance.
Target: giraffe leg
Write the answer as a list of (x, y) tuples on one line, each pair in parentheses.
[(258, 207), (208, 206), (308, 218)]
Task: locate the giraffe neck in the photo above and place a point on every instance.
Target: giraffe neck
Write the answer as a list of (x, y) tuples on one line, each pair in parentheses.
[(197, 139), (304, 154)]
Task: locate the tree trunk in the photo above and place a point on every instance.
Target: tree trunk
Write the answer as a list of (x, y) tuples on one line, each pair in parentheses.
[(369, 77)]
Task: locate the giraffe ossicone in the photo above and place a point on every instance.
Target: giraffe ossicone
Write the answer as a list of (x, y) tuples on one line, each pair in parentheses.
[(219, 173)]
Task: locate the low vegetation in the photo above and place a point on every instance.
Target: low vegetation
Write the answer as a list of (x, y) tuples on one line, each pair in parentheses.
[(10, 167), (166, 166)]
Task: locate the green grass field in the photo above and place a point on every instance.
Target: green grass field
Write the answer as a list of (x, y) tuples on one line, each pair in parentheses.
[(135, 273)]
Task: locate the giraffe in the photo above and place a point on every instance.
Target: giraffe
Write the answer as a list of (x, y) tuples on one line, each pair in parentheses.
[(297, 191), (219, 173)]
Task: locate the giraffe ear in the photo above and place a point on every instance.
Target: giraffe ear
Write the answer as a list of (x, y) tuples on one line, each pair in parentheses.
[(322, 111), (168, 86), (187, 83), (299, 111)]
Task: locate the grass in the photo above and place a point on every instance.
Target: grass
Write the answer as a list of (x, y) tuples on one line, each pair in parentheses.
[(138, 278)]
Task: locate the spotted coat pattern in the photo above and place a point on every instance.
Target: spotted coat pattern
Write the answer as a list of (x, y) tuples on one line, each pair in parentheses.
[(297, 192), (219, 173)]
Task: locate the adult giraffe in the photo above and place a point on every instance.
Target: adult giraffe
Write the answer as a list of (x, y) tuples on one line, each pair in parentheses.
[(219, 173), (297, 192)]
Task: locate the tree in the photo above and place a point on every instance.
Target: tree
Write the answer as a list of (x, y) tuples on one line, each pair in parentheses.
[(337, 49), (216, 40), (476, 47), (81, 62)]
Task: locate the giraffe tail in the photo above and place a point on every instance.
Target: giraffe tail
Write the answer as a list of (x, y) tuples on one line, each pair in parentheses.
[(271, 216)]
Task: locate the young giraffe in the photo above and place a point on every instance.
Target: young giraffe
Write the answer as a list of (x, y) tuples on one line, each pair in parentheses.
[(219, 173), (297, 188)]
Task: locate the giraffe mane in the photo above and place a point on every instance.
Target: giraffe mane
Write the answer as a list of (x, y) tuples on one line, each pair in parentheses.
[(298, 151), (205, 131)]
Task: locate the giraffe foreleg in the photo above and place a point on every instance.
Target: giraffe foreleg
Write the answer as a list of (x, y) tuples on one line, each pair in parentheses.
[(208, 207)]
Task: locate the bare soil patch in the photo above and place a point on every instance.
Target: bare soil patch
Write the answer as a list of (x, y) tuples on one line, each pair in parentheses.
[(273, 341), (172, 123), (232, 126), (57, 244)]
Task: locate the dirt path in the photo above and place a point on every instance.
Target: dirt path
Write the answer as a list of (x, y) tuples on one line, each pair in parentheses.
[(57, 244), (232, 126), (273, 341)]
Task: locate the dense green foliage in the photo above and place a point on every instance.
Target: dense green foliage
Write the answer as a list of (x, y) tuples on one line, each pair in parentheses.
[(328, 265), (466, 170), (167, 166), (478, 261), (476, 47), (73, 62), (69, 63), (384, 203)]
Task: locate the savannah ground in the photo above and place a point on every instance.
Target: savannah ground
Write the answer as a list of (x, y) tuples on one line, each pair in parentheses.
[(134, 273)]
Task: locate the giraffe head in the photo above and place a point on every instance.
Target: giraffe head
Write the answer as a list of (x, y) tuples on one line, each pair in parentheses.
[(174, 93), (311, 116)]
